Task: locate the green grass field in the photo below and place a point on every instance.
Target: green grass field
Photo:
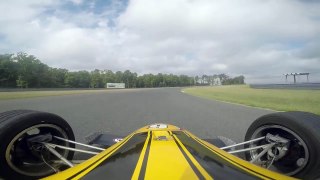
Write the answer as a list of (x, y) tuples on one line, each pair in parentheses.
[(276, 99), (32, 94)]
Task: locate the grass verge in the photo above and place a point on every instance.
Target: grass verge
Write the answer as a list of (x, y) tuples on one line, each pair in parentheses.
[(276, 99), (32, 94)]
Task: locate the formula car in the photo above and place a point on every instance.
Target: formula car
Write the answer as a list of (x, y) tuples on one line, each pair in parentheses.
[(282, 145)]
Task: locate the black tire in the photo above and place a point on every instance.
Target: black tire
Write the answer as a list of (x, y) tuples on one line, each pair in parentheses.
[(304, 125), (14, 123)]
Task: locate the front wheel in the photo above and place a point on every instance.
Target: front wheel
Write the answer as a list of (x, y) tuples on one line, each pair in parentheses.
[(22, 159), (294, 143)]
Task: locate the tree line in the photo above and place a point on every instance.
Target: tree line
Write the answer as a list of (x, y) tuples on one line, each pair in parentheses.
[(26, 71)]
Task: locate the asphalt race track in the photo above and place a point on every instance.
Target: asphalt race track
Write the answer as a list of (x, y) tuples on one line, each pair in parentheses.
[(123, 111)]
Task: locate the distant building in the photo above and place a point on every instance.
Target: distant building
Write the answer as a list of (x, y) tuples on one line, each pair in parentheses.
[(215, 82), (115, 85), (209, 80)]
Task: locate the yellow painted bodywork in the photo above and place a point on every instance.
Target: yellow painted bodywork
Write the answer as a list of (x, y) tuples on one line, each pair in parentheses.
[(176, 166), (165, 160), (137, 170)]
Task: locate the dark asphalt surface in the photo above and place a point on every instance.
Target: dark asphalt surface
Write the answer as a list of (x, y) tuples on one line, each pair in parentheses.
[(123, 111)]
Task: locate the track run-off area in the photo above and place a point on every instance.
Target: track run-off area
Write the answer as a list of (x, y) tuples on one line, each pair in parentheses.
[(122, 111)]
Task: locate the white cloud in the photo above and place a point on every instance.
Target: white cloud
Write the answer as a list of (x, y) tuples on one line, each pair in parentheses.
[(77, 2), (260, 39)]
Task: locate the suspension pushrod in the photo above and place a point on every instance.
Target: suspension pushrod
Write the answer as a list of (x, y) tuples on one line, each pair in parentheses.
[(72, 161), (58, 155), (269, 146), (81, 144), (247, 149), (245, 142), (71, 149)]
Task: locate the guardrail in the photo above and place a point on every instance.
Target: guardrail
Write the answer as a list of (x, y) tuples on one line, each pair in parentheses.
[(311, 86)]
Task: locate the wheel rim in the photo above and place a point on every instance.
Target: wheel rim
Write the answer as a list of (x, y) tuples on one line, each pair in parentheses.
[(21, 159), (297, 155)]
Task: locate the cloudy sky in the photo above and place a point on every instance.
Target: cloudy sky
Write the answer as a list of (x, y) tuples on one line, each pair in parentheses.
[(260, 39)]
